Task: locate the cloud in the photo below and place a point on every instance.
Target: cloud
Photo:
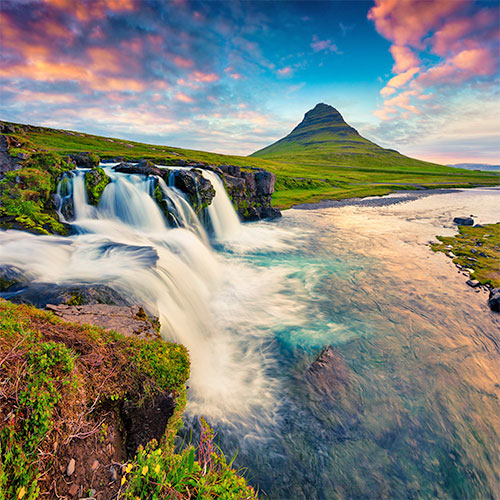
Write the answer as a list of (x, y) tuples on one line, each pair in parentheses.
[(323, 45), (403, 78), (287, 71), (404, 58), (183, 97)]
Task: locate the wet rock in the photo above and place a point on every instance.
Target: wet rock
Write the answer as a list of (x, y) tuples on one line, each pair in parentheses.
[(129, 321), (85, 160), (10, 276), (71, 467), (96, 181), (41, 294), (473, 283), (198, 189), (494, 299), (464, 221), (143, 168), (328, 373), (146, 421)]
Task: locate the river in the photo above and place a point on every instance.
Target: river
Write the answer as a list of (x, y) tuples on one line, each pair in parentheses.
[(411, 408)]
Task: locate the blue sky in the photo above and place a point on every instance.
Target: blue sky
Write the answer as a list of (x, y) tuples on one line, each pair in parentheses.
[(420, 77)]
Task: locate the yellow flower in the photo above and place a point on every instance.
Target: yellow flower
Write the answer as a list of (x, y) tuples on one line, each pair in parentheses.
[(123, 480), (145, 470), (128, 468), (157, 468), (21, 493)]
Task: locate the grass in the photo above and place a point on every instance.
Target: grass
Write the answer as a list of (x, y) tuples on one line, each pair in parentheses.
[(476, 248), (63, 383), (304, 175)]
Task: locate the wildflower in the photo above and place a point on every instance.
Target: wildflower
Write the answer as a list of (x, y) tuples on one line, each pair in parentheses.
[(145, 470), (157, 468), (128, 468), (21, 493), (123, 480)]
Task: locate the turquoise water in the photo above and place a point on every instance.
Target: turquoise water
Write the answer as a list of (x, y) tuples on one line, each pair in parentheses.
[(413, 411)]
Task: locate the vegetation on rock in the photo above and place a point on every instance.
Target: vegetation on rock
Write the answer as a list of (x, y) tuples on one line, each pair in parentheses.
[(63, 386), (96, 181), (476, 248)]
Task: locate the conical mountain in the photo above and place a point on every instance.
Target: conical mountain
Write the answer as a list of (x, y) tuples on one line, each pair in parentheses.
[(324, 137)]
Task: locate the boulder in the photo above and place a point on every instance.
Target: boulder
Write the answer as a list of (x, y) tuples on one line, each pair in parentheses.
[(464, 221), (494, 299), (7, 162), (264, 183), (145, 167), (96, 181), (473, 283), (9, 277), (85, 160), (198, 189)]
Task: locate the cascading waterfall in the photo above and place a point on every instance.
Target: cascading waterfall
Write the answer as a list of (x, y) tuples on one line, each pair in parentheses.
[(125, 243)]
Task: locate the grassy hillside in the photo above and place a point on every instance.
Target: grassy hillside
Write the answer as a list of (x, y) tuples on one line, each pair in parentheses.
[(301, 177)]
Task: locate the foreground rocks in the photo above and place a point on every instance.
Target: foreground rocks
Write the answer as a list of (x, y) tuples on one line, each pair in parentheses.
[(494, 300)]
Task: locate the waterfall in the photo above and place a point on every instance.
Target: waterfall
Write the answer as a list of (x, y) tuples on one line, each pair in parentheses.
[(127, 243)]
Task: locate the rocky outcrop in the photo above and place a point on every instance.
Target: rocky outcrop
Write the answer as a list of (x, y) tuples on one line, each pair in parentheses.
[(129, 321), (85, 160), (7, 162), (250, 191), (96, 181), (199, 190), (494, 300)]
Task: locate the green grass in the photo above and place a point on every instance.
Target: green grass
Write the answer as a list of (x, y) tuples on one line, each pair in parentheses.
[(476, 248), (305, 174)]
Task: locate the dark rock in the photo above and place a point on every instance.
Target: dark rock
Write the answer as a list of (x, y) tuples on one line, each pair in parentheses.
[(264, 183), (146, 421), (7, 128), (328, 374), (463, 221), (198, 189), (473, 283), (231, 170), (10, 276), (41, 294), (85, 160), (494, 299), (146, 168), (7, 162), (129, 321)]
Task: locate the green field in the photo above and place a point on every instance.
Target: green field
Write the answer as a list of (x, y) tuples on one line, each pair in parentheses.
[(333, 166)]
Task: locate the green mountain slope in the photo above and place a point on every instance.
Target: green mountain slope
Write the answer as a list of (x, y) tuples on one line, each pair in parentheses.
[(323, 137)]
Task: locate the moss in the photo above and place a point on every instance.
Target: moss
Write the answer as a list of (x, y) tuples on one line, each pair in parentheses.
[(53, 375), (96, 181), (476, 248)]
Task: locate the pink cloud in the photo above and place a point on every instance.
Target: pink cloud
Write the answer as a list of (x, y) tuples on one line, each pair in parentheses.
[(183, 62), (403, 78), (387, 91), (183, 97), (200, 77), (323, 45), (286, 71), (404, 58)]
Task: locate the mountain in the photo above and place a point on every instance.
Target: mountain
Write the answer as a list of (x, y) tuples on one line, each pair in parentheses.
[(477, 166), (324, 137)]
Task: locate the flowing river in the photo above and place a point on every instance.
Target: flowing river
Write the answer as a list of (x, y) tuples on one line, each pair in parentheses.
[(411, 407)]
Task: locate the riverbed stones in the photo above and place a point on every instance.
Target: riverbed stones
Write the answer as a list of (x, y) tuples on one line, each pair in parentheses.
[(463, 221), (473, 283)]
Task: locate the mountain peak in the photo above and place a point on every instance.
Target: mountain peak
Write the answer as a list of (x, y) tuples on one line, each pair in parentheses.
[(322, 114)]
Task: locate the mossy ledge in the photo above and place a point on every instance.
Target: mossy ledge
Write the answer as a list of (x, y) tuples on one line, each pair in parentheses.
[(65, 391)]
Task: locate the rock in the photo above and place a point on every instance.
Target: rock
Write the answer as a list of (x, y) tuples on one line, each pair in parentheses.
[(129, 321), (95, 464), (85, 160), (464, 221), (494, 299), (71, 467), (73, 490), (198, 189), (264, 183), (96, 181), (41, 294), (473, 283), (146, 421), (113, 475), (7, 162), (145, 167), (10, 276)]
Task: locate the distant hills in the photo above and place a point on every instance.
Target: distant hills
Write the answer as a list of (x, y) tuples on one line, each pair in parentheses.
[(477, 166)]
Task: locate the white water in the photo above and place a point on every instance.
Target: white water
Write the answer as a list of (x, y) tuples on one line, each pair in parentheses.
[(203, 300)]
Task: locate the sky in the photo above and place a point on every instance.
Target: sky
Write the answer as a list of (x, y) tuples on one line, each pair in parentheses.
[(419, 76)]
